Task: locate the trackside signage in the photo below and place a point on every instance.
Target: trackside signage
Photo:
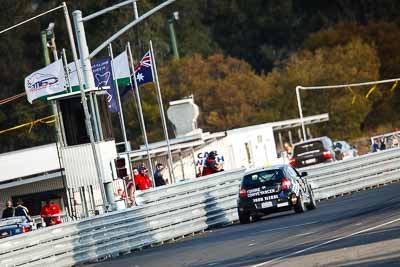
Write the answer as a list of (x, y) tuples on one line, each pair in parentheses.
[(46, 81)]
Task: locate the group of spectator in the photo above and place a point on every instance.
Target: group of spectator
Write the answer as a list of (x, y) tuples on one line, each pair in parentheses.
[(142, 181), (383, 143), (50, 212)]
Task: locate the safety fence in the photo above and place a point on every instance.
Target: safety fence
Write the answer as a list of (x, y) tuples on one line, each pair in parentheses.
[(178, 210)]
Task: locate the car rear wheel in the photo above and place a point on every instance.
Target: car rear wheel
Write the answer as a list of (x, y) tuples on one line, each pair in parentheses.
[(313, 204), (299, 207), (244, 217), (255, 218)]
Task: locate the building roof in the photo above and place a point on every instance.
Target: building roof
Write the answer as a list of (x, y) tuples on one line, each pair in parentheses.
[(201, 139)]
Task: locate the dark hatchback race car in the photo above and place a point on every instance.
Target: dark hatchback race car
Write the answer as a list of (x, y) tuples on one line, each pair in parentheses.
[(273, 189), (313, 151)]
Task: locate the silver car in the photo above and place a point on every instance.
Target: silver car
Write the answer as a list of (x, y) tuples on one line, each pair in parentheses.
[(344, 151)]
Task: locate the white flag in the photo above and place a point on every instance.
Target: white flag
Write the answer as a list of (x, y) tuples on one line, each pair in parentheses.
[(73, 76), (121, 66), (46, 81)]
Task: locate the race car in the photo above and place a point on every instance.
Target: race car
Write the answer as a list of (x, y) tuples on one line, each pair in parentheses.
[(13, 226), (273, 189)]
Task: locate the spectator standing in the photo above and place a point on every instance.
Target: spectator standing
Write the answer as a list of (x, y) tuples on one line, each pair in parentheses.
[(23, 211), (289, 150), (375, 146), (130, 187), (383, 144), (395, 141), (212, 166), (142, 180), (159, 175), (8, 211), (50, 213)]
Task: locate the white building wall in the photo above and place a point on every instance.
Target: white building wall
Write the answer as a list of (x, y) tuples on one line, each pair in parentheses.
[(27, 162), (252, 146)]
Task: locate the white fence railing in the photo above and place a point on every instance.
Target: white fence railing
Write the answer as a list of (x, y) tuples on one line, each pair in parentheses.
[(177, 210)]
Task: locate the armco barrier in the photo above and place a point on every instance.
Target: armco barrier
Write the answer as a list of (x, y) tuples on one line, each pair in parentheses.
[(178, 210)]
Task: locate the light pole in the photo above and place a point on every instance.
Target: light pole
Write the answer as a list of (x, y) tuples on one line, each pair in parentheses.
[(51, 39), (172, 36), (43, 39), (46, 56)]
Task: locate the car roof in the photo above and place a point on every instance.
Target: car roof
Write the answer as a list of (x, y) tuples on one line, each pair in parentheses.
[(267, 168), (311, 140)]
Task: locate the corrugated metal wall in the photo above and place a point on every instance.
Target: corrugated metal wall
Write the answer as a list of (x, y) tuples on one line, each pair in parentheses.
[(80, 169)]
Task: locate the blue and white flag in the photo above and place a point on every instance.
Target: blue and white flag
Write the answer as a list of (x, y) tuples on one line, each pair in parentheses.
[(47, 81), (102, 73)]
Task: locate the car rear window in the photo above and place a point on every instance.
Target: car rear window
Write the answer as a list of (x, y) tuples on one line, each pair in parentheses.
[(267, 178), (316, 146)]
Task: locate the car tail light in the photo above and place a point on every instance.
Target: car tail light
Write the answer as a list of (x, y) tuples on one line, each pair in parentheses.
[(286, 183), (243, 192), (25, 229), (292, 162), (327, 154)]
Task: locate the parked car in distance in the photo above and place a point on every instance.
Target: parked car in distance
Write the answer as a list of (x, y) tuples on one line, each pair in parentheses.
[(313, 151), (273, 189), (13, 226), (344, 151)]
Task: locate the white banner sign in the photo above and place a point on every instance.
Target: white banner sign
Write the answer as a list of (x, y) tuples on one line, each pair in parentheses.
[(46, 81)]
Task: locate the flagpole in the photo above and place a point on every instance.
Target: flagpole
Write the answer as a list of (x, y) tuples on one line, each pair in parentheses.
[(162, 110), (120, 112), (89, 128), (141, 113), (64, 57)]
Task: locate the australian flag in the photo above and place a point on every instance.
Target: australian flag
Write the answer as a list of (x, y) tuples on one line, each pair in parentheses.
[(143, 73), (143, 70)]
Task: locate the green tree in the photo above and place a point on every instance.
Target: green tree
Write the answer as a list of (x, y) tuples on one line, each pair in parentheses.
[(228, 91), (386, 38), (353, 62)]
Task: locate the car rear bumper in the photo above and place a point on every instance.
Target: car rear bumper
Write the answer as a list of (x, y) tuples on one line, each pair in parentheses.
[(278, 205), (301, 165)]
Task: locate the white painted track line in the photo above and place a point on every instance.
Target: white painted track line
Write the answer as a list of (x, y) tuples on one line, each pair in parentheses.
[(324, 243)]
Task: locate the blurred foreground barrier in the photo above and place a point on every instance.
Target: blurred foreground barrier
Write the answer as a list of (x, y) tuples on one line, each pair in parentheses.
[(178, 210), (165, 213)]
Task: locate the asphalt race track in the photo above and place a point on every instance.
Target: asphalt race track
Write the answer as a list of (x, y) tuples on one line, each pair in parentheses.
[(362, 229)]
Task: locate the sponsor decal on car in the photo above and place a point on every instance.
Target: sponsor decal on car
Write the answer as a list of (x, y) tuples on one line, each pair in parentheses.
[(258, 192), (261, 199)]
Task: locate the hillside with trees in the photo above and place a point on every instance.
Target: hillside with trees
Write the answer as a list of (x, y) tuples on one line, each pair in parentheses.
[(241, 60)]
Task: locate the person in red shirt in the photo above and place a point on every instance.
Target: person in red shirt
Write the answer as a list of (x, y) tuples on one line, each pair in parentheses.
[(211, 165), (50, 213), (142, 180)]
